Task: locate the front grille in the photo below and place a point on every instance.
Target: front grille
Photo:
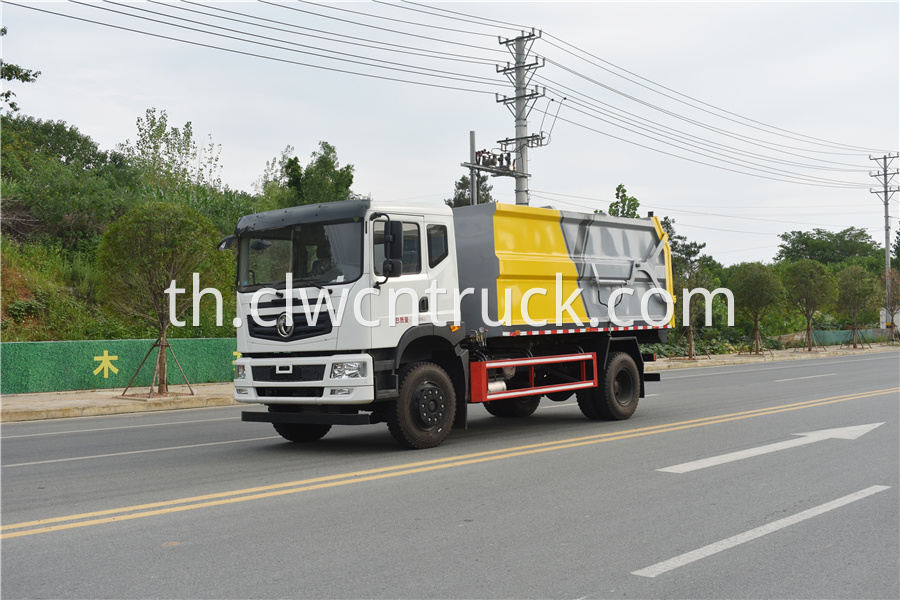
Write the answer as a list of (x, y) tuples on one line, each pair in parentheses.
[(298, 373), (302, 328), (294, 392)]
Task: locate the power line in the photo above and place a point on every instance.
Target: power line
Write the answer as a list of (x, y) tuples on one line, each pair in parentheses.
[(804, 180), (593, 106), (784, 132), (658, 208), (681, 117), (684, 138), (431, 14), (739, 119), (537, 195), (356, 12), (856, 205), (740, 161), (683, 145), (396, 31), (250, 54), (512, 25), (362, 42), (350, 58)]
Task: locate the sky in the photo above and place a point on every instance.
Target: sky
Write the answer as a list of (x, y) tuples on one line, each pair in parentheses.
[(717, 115)]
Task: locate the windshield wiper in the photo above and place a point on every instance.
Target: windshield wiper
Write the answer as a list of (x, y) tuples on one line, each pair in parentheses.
[(279, 292), (301, 280)]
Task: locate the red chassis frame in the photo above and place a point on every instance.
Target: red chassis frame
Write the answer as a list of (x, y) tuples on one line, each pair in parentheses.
[(479, 376)]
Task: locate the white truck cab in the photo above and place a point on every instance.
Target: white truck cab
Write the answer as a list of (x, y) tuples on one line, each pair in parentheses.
[(347, 319)]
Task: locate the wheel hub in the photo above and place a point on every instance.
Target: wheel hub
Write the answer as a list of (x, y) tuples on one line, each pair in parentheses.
[(430, 404), (623, 388)]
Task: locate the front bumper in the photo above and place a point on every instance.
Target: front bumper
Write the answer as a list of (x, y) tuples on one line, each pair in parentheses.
[(305, 380)]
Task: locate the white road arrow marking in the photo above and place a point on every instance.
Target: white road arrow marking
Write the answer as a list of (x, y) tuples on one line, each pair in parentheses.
[(842, 433)]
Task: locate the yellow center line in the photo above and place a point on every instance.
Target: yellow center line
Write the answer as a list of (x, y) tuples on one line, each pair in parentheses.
[(357, 474), (270, 491)]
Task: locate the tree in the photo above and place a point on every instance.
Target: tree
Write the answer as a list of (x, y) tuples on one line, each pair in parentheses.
[(689, 271), (895, 261), (169, 158), (55, 140), (142, 253), (810, 288), (857, 292), (757, 291), (892, 305), (625, 205), (322, 180), (285, 182), (827, 247), (58, 183), (462, 192), (271, 187), (10, 72)]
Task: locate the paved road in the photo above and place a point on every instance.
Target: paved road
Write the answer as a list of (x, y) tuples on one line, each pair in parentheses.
[(198, 504)]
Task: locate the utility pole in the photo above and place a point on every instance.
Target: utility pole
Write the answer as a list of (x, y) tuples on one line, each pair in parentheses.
[(885, 176), (473, 172), (519, 104)]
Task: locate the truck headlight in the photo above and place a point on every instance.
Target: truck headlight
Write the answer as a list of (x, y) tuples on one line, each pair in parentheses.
[(348, 370), (240, 372)]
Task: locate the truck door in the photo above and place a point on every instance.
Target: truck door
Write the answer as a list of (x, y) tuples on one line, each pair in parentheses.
[(440, 252), (401, 301)]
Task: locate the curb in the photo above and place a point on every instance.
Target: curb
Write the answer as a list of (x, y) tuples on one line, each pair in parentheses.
[(718, 360), (102, 408)]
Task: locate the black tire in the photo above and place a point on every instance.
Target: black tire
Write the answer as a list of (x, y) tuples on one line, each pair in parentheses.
[(560, 396), (513, 408), (301, 432), (423, 414), (616, 398), (497, 408)]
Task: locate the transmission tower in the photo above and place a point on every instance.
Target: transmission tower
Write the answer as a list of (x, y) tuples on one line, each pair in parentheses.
[(885, 177)]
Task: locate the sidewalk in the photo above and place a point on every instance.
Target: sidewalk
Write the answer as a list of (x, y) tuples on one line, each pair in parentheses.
[(717, 360), (57, 405)]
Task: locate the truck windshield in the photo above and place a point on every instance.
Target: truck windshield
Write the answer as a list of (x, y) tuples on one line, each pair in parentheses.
[(314, 253)]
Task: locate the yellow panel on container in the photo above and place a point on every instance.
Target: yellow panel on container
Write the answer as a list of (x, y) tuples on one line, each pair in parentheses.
[(531, 250), (668, 253)]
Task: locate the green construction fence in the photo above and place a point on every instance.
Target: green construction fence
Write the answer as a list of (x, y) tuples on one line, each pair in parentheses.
[(31, 367), (844, 336)]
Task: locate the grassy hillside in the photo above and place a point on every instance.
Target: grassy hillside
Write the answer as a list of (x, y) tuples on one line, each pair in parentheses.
[(49, 295)]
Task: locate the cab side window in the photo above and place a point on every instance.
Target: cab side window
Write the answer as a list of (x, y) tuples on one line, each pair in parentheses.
[(412, 248), (437, 244)]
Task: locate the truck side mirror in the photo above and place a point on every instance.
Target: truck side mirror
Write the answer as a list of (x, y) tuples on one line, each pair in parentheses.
[(392, 268), (393, 241), (226, 243)]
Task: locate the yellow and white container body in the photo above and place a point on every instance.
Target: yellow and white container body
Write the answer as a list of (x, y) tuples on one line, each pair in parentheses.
[(545, 270)]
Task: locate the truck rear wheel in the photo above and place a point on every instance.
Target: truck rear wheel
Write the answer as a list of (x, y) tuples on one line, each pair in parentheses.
[(422, 415), (616, 398), (301, 432), (513, 408)]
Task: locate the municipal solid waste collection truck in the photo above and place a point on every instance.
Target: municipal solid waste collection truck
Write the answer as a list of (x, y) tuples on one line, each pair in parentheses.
[(360, 312)]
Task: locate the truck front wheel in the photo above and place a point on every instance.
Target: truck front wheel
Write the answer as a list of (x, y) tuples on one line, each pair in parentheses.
[(422, 415), (616, 398)]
